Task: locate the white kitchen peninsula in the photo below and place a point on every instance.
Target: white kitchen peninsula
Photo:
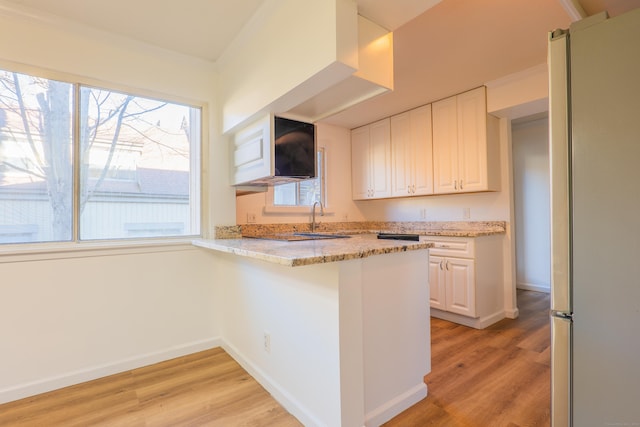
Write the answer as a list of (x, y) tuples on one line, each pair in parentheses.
[(337, 330)]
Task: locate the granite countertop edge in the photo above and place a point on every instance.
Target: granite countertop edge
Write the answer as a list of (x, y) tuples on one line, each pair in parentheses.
[(300, 253), (361, 244)]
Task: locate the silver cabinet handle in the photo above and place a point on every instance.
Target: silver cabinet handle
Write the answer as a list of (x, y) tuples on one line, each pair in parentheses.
[(441, 268), (455, 184), (461, 184), (447, 265)]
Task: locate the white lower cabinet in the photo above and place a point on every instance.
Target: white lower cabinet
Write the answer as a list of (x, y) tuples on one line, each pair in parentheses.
[(466, 280), (452, 285)]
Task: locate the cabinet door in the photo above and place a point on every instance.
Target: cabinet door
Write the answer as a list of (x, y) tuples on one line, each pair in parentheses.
[(380, 149), (461, 286), (360, 161), (401, 155), (422, 157), (437, 293), (472, 140), (445, 146), (252, 152)]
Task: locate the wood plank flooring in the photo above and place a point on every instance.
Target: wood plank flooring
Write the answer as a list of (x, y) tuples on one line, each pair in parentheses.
[(207, 388), (496, 377)]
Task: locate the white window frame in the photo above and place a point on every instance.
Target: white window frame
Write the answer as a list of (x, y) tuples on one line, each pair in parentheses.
[(272, 209), (17, 252)]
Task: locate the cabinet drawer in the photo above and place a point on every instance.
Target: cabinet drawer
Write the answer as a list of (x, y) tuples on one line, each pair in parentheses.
[(461, 247)]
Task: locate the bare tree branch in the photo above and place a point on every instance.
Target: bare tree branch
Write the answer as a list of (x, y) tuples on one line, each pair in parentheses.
[(23, 116), (114, 141)]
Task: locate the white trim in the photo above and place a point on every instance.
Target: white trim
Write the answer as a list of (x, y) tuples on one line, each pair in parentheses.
[(573, 9), (390, 409), (270, 208), (293, 210), (531, 287), (76, 377), (38, 252), (282, 396), (540, 69), (476, 323), (512, 314)]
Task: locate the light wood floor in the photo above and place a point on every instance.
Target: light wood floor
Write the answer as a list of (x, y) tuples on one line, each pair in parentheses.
[(495, 377)]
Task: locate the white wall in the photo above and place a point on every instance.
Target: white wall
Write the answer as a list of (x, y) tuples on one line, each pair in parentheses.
[(531, 192), (67, 320), (64, 321), (299, 308), (326, 330)]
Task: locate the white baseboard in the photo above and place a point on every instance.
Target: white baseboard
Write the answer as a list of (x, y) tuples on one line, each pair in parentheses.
[(472, 322), (512, 314), (21, 391), (532, 287), (390, 409), (284, 398)]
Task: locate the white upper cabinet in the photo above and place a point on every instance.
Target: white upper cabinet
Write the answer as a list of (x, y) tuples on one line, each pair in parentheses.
[(465, 144), (450, 146), (252, 152), (445, 146), (371, 161), (411, 153)]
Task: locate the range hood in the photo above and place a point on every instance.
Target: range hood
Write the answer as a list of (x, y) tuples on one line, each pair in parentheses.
[(273, 150)]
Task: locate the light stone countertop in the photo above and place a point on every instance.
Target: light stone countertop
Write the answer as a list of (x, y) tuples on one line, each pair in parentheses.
[(307, 252), (423, 228)]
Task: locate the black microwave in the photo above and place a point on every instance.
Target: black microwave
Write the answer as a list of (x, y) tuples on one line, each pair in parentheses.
[(294, 148)]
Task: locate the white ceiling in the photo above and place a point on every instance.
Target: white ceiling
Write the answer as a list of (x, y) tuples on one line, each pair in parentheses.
[(441, 47), (458, 45), (200, 28)]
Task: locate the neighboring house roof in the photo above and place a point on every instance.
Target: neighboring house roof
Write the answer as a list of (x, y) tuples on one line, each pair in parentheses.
[(148, 182)]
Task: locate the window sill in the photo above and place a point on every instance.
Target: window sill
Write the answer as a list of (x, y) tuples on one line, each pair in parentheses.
[(51, 251), (294, 210)]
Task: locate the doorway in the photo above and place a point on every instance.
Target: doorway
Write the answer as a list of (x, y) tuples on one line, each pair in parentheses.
[(530, 151)]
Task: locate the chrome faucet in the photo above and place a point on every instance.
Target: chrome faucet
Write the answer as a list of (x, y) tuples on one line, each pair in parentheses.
[(313, 215)]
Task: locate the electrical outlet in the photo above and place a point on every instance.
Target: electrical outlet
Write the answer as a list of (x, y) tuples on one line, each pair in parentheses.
[(251, 218), (423, 213), (466, 213), (267, 342)]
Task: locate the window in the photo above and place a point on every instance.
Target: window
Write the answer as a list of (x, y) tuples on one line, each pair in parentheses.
[(114, 166), (302, 193)]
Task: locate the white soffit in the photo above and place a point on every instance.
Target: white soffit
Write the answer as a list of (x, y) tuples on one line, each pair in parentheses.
[(393, 14)]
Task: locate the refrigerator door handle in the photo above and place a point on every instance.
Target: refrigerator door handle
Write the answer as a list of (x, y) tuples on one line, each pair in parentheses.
[(561, 394), (562, 315), (560, 168)]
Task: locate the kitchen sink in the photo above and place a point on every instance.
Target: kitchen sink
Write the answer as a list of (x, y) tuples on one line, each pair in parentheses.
[(294, 237), (321, 235)]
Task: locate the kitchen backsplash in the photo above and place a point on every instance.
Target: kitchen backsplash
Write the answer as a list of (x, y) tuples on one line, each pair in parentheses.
[(463, 228)]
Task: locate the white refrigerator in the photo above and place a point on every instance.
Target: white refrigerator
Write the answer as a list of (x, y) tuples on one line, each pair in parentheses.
[(594, 82)]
